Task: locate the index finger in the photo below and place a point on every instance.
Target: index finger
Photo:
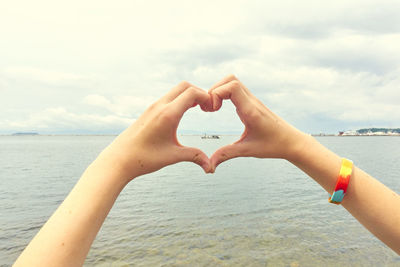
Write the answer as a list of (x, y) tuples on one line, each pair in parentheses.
[(225, 80), (190, 98), (232, 90), (176, 91)]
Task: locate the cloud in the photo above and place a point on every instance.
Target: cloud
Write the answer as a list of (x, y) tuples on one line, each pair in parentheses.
[(61, 120), (215, 52), (323, 66), (354, 52), (42, 75), (3, 84), (343, 98), (319, 20), (120, 105)]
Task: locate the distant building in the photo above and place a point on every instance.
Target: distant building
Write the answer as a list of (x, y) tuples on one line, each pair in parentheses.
[(372, 132)]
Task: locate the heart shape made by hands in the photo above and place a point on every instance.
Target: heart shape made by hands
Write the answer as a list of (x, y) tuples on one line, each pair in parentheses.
[(212, 128), (266, 135)]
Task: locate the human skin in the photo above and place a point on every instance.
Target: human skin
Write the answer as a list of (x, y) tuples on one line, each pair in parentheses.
[(266, 135), (150, 144), (147, 145)]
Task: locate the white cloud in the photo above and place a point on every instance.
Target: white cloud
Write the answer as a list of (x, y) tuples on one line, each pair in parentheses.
[(41, 75), (46, 76), (3, 84), (114, 59), (61, 120), (120, 105)]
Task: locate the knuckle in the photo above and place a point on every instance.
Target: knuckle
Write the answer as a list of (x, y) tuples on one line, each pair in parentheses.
[(231, 77), (166, 115), (235, 85), (192, 90), (196, 158), (252, 113), (153, 106), (185, 84), (224, 156)]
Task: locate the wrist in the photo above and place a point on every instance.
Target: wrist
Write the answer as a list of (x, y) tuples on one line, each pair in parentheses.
[(317, 161), (112, 164), (297, 145)]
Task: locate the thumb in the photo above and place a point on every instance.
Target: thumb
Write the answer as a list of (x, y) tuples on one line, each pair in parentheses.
[(227, 152), (194, 155)]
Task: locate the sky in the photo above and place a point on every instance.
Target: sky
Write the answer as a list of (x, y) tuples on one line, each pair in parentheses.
[(93, 66)]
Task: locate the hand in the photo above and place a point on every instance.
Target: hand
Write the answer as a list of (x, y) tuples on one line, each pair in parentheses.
[(266, 135), (150, 143)]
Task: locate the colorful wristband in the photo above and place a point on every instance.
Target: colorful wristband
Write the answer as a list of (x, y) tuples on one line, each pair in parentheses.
[(342, 182)]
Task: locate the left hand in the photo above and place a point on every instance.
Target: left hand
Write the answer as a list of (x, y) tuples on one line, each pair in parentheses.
[(266, 135), (150, 143)]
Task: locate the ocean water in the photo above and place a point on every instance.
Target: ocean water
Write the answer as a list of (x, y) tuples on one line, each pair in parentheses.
[(249, 213)]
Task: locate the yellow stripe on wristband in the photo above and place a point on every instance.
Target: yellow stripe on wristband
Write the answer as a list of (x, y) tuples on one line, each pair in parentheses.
[(342, 182)]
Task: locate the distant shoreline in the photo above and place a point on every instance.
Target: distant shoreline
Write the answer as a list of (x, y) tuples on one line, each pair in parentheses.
[(361, 135), (25, 133), (199, 135), (19, 135)]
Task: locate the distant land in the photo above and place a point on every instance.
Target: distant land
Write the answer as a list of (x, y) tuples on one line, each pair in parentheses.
[(372, 132), (360, 132), (26, 133)]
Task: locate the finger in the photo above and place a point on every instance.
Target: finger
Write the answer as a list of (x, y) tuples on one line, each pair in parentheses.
[(217, 102), (231, 90), (189, 98), (225, 153), (207, 106), (194, 155), (225, 80), (176, 91), (228, 79)]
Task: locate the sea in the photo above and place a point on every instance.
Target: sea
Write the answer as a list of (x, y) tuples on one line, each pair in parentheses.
[(251, 212)]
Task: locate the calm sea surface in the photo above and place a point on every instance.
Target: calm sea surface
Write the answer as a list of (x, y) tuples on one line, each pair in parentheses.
[(249, 213)]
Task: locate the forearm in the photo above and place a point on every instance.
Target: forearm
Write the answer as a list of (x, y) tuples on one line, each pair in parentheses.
[(67, 236), (266, 135), (146, 146), (369, 201)]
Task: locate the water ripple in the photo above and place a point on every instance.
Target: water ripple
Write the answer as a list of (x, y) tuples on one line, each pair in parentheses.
[(250, 213)]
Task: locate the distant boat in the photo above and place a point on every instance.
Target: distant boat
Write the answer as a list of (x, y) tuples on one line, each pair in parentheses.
[(214, 136)]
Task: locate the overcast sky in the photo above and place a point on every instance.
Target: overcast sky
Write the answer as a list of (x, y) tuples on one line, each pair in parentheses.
[(94, 66)]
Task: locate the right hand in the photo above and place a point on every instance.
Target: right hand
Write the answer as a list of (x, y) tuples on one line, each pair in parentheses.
[(266, 135), (150, 143)]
